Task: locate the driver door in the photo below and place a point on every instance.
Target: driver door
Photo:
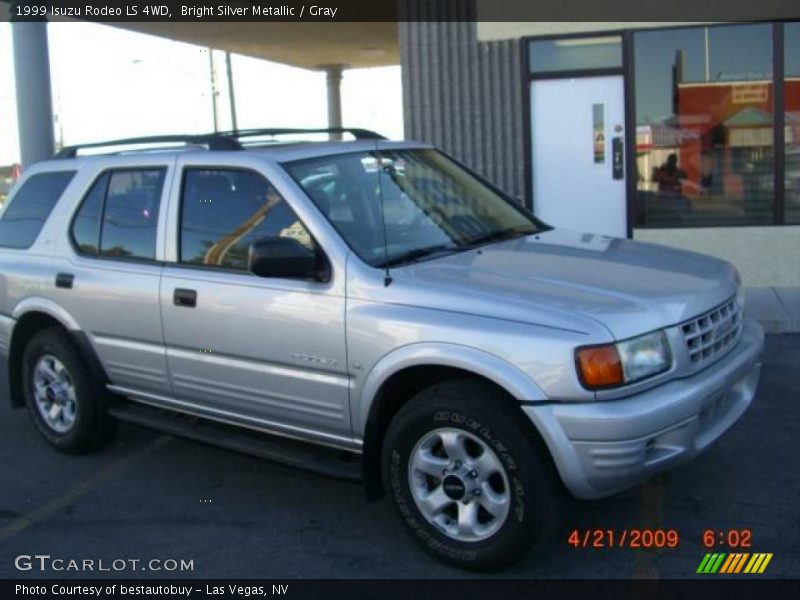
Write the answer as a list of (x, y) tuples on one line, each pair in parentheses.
[(267, 352)]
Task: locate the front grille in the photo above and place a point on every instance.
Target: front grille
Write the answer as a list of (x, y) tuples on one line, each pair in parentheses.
[(710, 334)]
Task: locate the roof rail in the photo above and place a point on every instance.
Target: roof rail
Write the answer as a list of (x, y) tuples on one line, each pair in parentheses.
[(214, 141), (356, 132), (223, 140)]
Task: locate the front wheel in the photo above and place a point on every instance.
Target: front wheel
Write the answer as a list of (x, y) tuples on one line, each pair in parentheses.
[(471, 482)]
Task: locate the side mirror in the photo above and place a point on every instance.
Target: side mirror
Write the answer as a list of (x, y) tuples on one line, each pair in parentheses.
[(286, 257)]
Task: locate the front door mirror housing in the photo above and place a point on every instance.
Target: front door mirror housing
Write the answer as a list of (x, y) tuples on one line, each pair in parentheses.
[(287, 258)]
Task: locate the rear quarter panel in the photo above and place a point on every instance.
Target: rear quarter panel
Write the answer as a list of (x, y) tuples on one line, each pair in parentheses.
[(28, 273)]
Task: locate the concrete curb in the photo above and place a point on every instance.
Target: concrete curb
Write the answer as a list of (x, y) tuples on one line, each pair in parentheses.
[(776, 308)]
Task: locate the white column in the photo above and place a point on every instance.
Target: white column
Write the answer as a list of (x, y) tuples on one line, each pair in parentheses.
[(334, 80), (34, 101)]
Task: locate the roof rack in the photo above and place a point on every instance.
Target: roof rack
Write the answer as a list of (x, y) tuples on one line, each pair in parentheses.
[(357, 133), (223, 140), (213, 141)]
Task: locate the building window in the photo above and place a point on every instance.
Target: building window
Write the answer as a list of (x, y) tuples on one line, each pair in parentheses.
[(791, 39), (576, 54), (224, 211), (704, 126), (31, 205)]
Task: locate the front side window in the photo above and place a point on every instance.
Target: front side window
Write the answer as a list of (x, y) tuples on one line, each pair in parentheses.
[(418, 202), (704, 126), (25, 216), (223, 211), (118, 217)]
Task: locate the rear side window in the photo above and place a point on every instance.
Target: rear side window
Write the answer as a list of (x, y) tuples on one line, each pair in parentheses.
[(86, 227), (25, 216), (118, 217), (224, 211)]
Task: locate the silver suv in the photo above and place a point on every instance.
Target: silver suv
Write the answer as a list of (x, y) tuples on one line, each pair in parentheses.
[(368, 309)]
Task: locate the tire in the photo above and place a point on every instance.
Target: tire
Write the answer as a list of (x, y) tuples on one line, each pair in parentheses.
[(470, 418), (56, 378)]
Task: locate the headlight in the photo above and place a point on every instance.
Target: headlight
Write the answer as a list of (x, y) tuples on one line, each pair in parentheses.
[(611, 365)]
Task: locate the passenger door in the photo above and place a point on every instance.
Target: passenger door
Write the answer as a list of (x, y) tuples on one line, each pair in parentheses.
[(108, 273), (268, 352)]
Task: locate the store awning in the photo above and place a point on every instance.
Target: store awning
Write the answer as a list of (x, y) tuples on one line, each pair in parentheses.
[(310, 45), (750, 117)]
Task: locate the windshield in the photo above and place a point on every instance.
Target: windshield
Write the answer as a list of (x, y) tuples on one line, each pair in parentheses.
[(432, 206)]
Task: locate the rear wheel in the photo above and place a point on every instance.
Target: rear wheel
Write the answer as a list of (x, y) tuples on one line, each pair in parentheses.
[(467, 476), (64, 399)]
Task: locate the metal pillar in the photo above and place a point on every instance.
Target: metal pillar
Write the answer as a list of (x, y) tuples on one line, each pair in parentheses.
[(34, 100), (212, 73), (231, 92), (334, 80)]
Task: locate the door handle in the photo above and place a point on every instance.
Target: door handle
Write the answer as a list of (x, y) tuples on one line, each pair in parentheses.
[(183, 297), (617, 158), (65, 280)]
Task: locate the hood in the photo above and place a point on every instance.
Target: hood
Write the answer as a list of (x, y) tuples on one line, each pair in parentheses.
[(561, 278)]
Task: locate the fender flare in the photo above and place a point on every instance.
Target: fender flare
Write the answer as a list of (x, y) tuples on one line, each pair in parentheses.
[(77, 337), (507, 376), (48, 307)]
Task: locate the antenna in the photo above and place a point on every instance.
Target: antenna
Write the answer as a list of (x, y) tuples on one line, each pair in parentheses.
[(387, 277)]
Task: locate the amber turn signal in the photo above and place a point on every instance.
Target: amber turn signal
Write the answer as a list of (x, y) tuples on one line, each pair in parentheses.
[(599, 366)]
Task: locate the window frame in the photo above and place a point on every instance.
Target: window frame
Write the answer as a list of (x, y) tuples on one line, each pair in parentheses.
[(179, 262), (13, 200), (110, 171), (778, 49)]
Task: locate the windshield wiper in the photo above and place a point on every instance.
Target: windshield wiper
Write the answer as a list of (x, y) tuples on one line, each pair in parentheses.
[(420, 253), (499, 236), (417, 254)]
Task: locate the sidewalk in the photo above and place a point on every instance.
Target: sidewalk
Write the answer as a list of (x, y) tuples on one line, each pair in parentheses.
[(777, 309)]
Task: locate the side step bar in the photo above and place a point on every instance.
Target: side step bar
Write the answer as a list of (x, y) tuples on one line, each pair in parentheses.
[(317, 459)]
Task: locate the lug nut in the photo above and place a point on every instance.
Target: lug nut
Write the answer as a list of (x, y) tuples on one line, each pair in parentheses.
[(458, 464), (472, 474), (476, 492)]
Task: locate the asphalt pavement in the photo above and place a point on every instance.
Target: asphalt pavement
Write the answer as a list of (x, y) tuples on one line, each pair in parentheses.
[(148, 496)]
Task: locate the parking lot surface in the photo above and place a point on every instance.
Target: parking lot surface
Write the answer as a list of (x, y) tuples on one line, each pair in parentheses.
[(150, 496)]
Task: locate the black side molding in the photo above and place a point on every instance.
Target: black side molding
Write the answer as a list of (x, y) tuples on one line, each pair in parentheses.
[(87, 352)]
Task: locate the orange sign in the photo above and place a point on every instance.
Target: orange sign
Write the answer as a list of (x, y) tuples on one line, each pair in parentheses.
[(749, 94)]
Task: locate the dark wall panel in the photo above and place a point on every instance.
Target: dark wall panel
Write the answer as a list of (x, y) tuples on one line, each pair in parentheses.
[(462, 95)]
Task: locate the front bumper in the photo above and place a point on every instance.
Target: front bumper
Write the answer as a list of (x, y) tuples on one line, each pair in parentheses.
[(603, 447)]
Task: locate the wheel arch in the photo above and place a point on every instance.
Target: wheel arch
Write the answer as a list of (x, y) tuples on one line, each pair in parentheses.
[(32, 316), (398, 376)]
